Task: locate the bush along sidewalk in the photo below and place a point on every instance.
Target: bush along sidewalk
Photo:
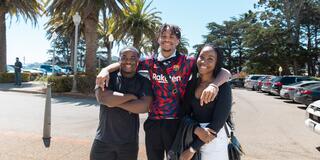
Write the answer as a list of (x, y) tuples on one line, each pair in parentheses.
[(85, 83), (10, 77)]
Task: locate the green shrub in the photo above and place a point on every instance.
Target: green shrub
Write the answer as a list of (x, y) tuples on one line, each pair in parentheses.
[(10, 77), (86, 83), (60, 83)]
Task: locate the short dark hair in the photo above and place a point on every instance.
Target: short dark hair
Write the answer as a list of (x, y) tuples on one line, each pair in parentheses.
[(129, 48), (173, 28)]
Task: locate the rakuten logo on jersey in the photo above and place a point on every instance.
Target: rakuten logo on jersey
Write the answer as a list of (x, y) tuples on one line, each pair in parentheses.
[(162, 79)]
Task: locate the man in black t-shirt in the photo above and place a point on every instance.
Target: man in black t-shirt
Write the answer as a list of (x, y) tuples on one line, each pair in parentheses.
[(127, 94)]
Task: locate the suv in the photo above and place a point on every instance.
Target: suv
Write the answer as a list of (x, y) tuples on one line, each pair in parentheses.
[(313, 117), (48, 68), (285, 80)]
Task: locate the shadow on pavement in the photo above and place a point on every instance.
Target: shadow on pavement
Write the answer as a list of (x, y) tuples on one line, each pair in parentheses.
[(76, 101), (80, 101), (302, 107), (6, 86), (290, 101)]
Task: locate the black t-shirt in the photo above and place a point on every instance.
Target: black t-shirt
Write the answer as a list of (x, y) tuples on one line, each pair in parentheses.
[(116, 125), (18, 66)]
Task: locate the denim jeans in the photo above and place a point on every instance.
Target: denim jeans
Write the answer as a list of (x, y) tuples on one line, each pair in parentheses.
[(17, 78)]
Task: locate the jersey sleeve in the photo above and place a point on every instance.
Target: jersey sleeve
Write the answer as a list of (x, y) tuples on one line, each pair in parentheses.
[(112, 81), (145, 64)]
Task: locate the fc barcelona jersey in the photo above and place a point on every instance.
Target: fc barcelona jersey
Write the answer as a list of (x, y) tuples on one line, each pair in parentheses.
[(167, 95)]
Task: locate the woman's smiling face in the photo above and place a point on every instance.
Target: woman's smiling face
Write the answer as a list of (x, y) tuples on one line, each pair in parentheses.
[(207, 60)]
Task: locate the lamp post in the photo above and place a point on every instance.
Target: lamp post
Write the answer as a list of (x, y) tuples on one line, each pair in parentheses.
[(110, 39), (280, 70), (76, 21), (54, 37)]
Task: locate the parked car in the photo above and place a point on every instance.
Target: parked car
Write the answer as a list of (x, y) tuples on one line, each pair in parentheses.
[(313, 116), (48, 68), (10, 69), (237, 82), (285, 80), (267, 83), (308, 94), (251, 80), (258, 84), (288, 91)]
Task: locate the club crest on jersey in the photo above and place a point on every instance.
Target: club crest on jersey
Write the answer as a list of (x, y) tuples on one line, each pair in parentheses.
[(176, 67)]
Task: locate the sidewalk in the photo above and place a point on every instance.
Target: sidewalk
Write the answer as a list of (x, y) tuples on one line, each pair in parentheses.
[(38, 87), (26, 87)]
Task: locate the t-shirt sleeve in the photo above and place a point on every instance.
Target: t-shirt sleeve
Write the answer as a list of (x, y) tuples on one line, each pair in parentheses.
[(146, 89), (190, 62)]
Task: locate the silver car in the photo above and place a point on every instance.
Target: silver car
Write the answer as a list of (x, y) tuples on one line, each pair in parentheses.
[(288, 91), (251, 80), (266, 84)]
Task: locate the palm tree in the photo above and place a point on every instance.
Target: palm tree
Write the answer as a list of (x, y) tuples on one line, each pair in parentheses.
[(182, 47), (138, 22), (29, 10), (89, 11), (63, 25)]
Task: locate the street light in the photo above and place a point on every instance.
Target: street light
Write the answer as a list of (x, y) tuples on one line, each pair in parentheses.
[(76, 21), (110, 39), (54, 37)]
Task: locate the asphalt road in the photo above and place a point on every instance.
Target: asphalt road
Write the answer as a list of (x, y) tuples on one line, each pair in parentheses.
[(267, 127), (270, 128)]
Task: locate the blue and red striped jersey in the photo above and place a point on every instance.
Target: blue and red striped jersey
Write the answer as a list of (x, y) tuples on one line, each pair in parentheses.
[(166, 100)]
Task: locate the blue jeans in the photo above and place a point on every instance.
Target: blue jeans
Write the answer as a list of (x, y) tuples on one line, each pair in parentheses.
[(18, 78)]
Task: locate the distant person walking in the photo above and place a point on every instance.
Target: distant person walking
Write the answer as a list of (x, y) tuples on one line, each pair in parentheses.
[(17, 71)]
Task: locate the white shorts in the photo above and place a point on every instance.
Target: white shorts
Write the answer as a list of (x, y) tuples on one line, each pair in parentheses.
[(217, 148)]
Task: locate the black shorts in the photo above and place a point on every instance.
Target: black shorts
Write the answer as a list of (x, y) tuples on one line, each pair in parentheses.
[(160, 135), (104, 151)]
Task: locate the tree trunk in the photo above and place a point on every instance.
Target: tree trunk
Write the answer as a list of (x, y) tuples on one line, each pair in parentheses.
[(91, 36), (3, 42)]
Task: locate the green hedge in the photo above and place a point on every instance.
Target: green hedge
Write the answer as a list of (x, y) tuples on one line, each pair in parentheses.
[(60, 83), (85, 83), (10, 77)]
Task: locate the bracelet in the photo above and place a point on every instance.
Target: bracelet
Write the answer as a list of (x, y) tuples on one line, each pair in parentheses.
[(192, 150)]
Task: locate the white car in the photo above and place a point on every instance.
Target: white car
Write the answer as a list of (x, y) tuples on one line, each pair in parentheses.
[(313, 116)]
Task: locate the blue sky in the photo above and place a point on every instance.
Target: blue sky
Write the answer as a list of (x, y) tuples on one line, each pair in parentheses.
[(29, 43)]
